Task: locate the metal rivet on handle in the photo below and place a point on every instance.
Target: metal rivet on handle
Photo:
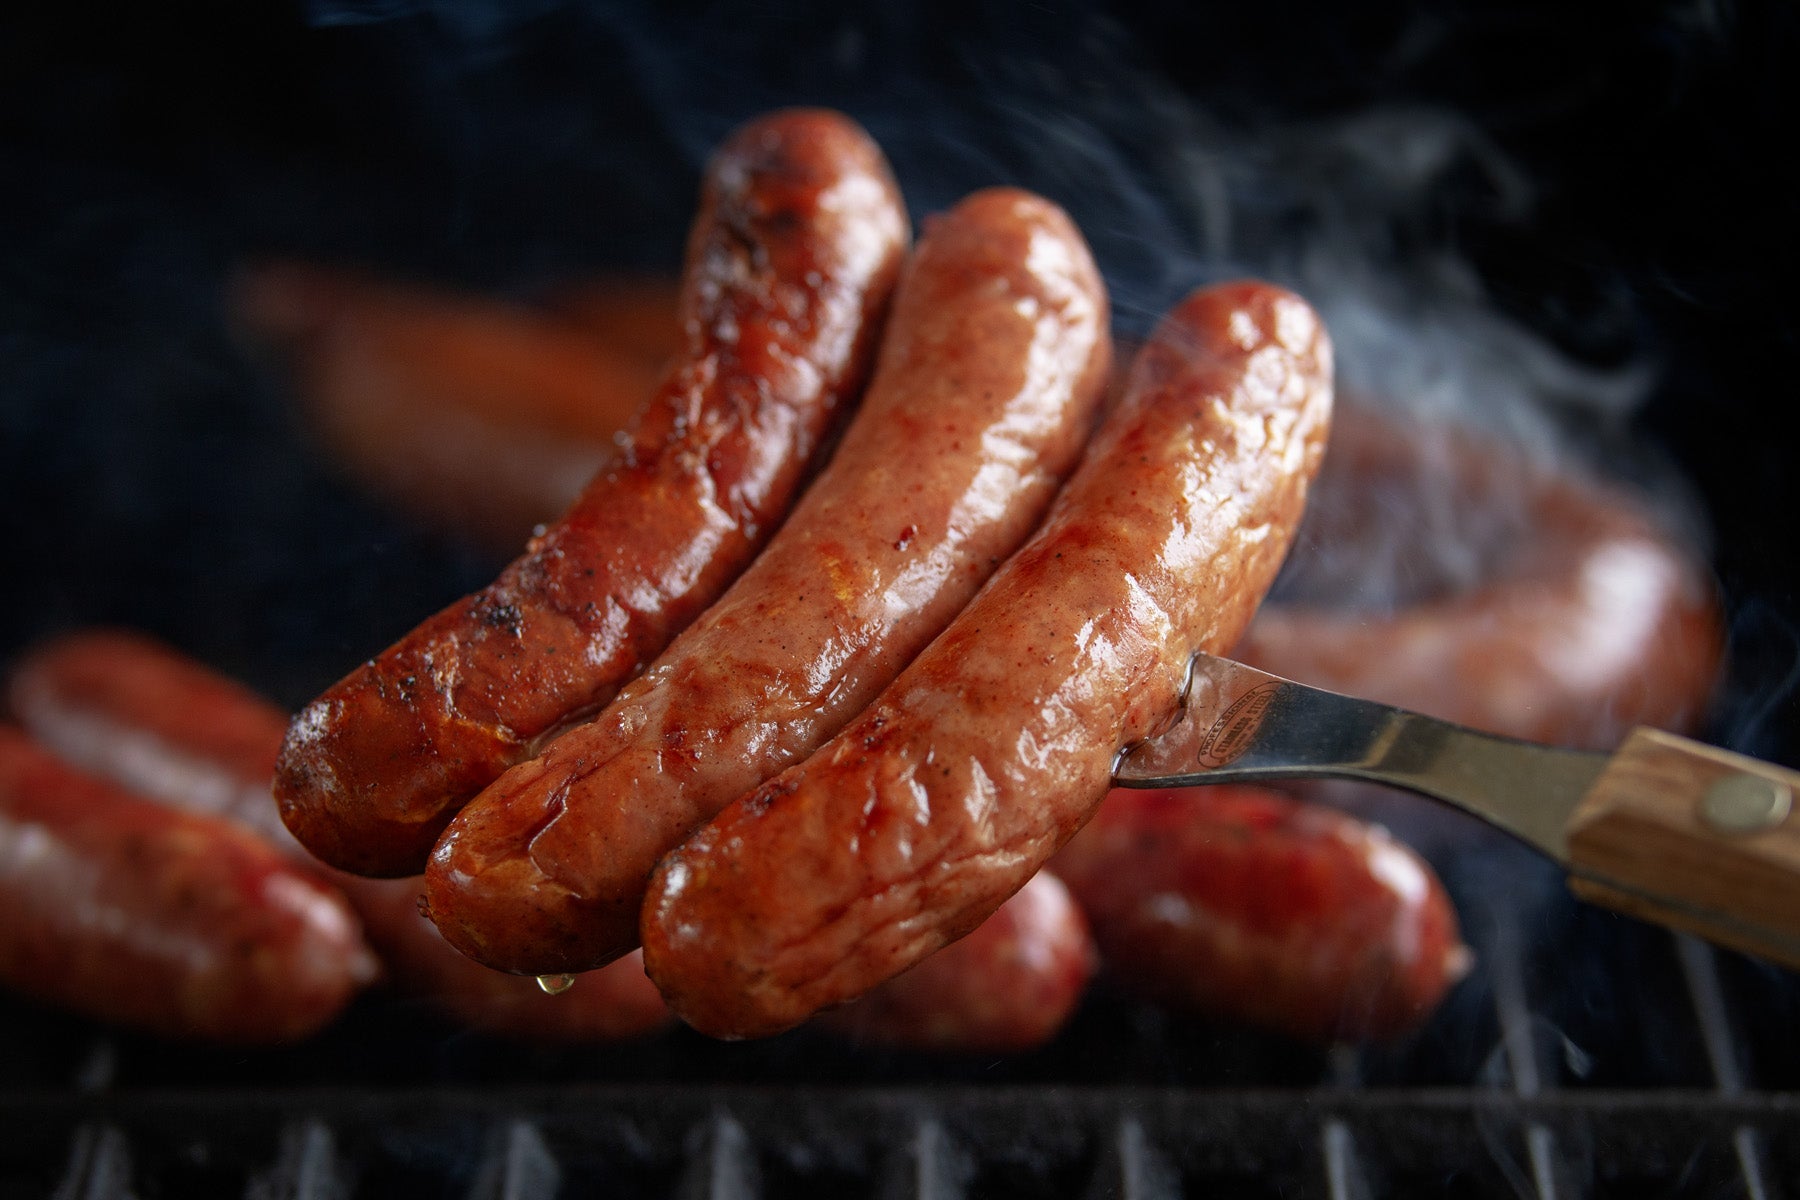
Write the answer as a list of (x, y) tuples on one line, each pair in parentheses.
[(1746, 803)]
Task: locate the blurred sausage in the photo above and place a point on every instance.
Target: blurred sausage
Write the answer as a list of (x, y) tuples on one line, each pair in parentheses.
[(629, 314), (126, 707), (982, 399), (1245, 904), (996, 744), (791, 263), (1009, 986), (1570, 617), (481, 418), (184, 925)]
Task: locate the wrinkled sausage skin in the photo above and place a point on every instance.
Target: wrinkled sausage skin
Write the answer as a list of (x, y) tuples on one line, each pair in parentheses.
[(1245, 904), (995, 745), (983, 396), (183, 925), (790, 265)]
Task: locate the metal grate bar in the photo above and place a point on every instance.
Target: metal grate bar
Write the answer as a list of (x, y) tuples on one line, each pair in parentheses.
[(1546, 1174), (1132, 1169), (1747, 1144), (306, 1167), (1344, 1179), (1701, 970), (99, 1166), (721, 1163), (519, 1167), (933, 1167), (1525, 1060), (1517, 1036), (1724, 1053)]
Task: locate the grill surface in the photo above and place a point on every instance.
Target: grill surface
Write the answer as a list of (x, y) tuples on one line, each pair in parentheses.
[(1586, 1056), (152, 474)]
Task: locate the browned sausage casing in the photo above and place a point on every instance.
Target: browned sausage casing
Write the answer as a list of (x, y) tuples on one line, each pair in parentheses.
[(1009, 986), (985, 391), (791, 262), (1245, 904), (996, 744), (135, 711), (184, 925)]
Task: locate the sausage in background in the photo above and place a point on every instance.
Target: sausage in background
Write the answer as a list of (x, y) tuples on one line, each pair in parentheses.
[(1007, 987), (128, 708), (184, 925), (1490, 592), (1243, 904), (479, 417)]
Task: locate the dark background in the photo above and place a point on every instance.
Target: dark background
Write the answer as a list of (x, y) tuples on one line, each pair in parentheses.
[(1619, 181)]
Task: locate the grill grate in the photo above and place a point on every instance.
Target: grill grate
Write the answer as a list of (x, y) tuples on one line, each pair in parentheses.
[(927, 1144), (1586, 1056)]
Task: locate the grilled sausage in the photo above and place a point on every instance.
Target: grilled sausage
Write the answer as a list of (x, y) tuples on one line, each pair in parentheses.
[(135, 711), (184, 925), (1572, 618), (479, 418), (791, 263), (983, 396), (1244, 904), (996, 744), (1009, 986)]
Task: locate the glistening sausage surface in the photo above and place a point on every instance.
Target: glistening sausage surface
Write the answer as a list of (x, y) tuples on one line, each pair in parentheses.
[(790, 266), (1244, 904), (983, 395), (184, 925), (994, 746), (128, 708)]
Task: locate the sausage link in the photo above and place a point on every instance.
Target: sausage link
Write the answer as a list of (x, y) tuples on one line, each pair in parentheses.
[(791, 263), (137, 712), (996, 744), (128, 708), (1244, 904), (184, 925), (984, 393), (1578, 618), (1007, 987), (480, 418)]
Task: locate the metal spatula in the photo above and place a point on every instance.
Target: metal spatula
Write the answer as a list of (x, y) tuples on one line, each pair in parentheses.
[(1665, 828)]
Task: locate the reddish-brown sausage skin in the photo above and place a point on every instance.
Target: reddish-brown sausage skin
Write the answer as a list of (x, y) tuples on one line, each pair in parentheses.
[(481, 418), (184, 925), (1008, 986), (1245, 904), (127, 707), (1588, 619), (983, 396), (791, 262), (996, 744), (139, 713)]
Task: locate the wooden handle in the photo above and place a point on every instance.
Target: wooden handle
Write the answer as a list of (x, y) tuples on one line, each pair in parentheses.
[(1694, 837)]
